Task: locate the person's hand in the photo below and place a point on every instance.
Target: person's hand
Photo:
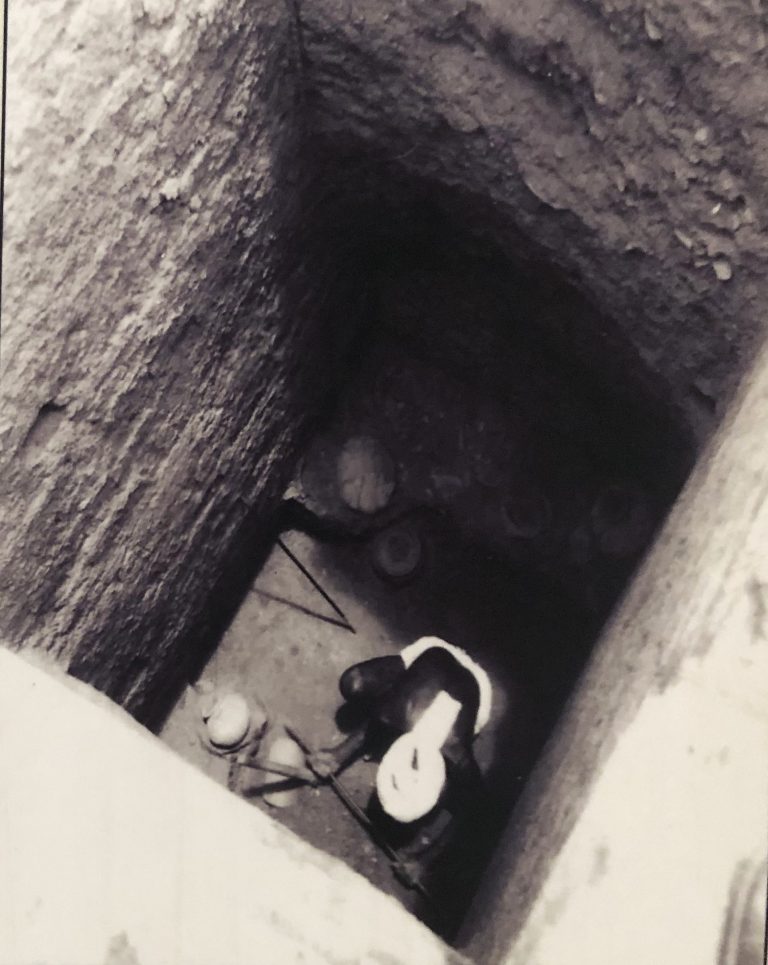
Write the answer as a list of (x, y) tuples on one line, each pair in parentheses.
[(323, 764)]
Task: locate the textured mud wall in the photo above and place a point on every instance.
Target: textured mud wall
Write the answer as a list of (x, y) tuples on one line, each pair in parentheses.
[(624, 141), (648, 805), (163, 335), (170, 254)]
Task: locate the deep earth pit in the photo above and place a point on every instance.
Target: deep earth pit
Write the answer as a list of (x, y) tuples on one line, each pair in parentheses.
[(520, 247), (529, 478)]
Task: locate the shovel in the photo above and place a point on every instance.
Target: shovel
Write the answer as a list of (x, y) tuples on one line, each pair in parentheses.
[(362, 818)]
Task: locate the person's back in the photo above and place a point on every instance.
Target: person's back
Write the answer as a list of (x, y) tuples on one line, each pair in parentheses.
[(428, 703), (436, 696)]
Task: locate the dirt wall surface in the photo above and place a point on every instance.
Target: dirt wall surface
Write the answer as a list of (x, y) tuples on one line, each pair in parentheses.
[(174, 301), (623, 142), (650, 798), (156, 365), (174, 269)]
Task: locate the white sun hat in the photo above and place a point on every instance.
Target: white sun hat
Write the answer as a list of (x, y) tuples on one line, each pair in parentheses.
[(410, 778)]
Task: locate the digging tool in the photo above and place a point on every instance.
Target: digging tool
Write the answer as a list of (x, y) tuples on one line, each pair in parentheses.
[(284, 770), (362, 818)]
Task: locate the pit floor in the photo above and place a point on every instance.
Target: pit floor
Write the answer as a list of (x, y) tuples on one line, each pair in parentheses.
[(283, 651), (481, 586)]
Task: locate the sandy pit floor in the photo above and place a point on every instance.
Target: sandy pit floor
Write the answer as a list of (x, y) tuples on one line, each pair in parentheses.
[(287, 646)]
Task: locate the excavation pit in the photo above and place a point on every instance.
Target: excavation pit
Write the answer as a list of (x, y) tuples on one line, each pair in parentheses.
[(519, 484), (529, 242)]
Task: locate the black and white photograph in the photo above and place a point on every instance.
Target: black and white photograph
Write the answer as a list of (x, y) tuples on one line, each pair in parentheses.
[(384, 482)]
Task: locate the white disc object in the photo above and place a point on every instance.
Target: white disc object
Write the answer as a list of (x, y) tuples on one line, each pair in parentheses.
[(228, 721), (365, 474), (410, 778)]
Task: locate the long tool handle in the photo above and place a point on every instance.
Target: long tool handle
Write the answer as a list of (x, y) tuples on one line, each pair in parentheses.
[(354, 808), (285, 770)]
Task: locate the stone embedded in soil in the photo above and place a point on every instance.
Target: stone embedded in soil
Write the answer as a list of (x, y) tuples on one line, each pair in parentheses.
[(722, 268), (651, 28), (365, 474)]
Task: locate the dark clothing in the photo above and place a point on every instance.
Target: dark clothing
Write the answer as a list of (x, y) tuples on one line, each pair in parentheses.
[(396, 696), (389, 699)]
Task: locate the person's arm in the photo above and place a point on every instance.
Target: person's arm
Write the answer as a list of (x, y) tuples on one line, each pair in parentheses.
[(362, 685), (367, 681), (332, 760)]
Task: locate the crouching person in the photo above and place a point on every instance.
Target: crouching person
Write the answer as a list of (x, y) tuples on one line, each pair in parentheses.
[(420, 711)]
